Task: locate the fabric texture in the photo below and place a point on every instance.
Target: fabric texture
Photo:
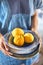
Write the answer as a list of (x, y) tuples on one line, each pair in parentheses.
[(16, 13)]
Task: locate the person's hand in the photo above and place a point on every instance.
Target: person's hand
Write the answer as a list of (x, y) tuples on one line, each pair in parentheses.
[(39, 61), (3, 47), (36, 32)]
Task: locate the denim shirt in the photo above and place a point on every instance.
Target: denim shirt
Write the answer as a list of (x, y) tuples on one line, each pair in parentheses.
[(16, 13)]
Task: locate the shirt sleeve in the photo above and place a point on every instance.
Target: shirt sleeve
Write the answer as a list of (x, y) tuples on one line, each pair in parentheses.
[(4, 15), (38, 4), (6, 8)]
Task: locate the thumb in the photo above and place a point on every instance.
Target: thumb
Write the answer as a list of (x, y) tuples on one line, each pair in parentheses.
[(41, 48)]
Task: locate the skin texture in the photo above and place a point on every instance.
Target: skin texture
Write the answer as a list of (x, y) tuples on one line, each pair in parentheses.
[(34, 22)]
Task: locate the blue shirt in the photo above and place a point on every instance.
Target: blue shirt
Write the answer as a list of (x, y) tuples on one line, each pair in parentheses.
[(16, 13)]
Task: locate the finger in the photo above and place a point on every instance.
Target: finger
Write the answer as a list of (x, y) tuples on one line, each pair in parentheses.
[(5, 51), (41, 49), (39, 61), (6, 47), (38, 36), (41, 45), (4, 43), (8, 53), (36, 63), (40, 40)]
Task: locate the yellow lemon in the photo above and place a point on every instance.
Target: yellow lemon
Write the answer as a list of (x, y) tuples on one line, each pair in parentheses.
[(28, 38), (19, 40), (17, 31)]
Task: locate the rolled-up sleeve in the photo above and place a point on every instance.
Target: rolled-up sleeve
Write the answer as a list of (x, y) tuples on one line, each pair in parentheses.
[(38, 4), (35, 5)]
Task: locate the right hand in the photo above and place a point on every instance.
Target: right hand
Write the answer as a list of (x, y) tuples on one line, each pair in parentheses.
[(3, 47)]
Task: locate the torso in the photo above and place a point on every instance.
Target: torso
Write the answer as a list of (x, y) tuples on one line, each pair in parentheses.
[(21, 11)]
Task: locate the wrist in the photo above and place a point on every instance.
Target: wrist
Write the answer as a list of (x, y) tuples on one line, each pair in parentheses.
[(34, 30)]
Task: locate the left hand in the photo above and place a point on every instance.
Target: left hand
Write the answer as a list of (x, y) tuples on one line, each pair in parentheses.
[(40, 59)]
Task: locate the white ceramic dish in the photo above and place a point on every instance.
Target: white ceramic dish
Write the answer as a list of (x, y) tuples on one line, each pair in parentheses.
[(23, 52)]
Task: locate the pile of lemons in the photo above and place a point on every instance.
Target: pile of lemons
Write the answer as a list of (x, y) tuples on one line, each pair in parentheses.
[(20, 37)]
